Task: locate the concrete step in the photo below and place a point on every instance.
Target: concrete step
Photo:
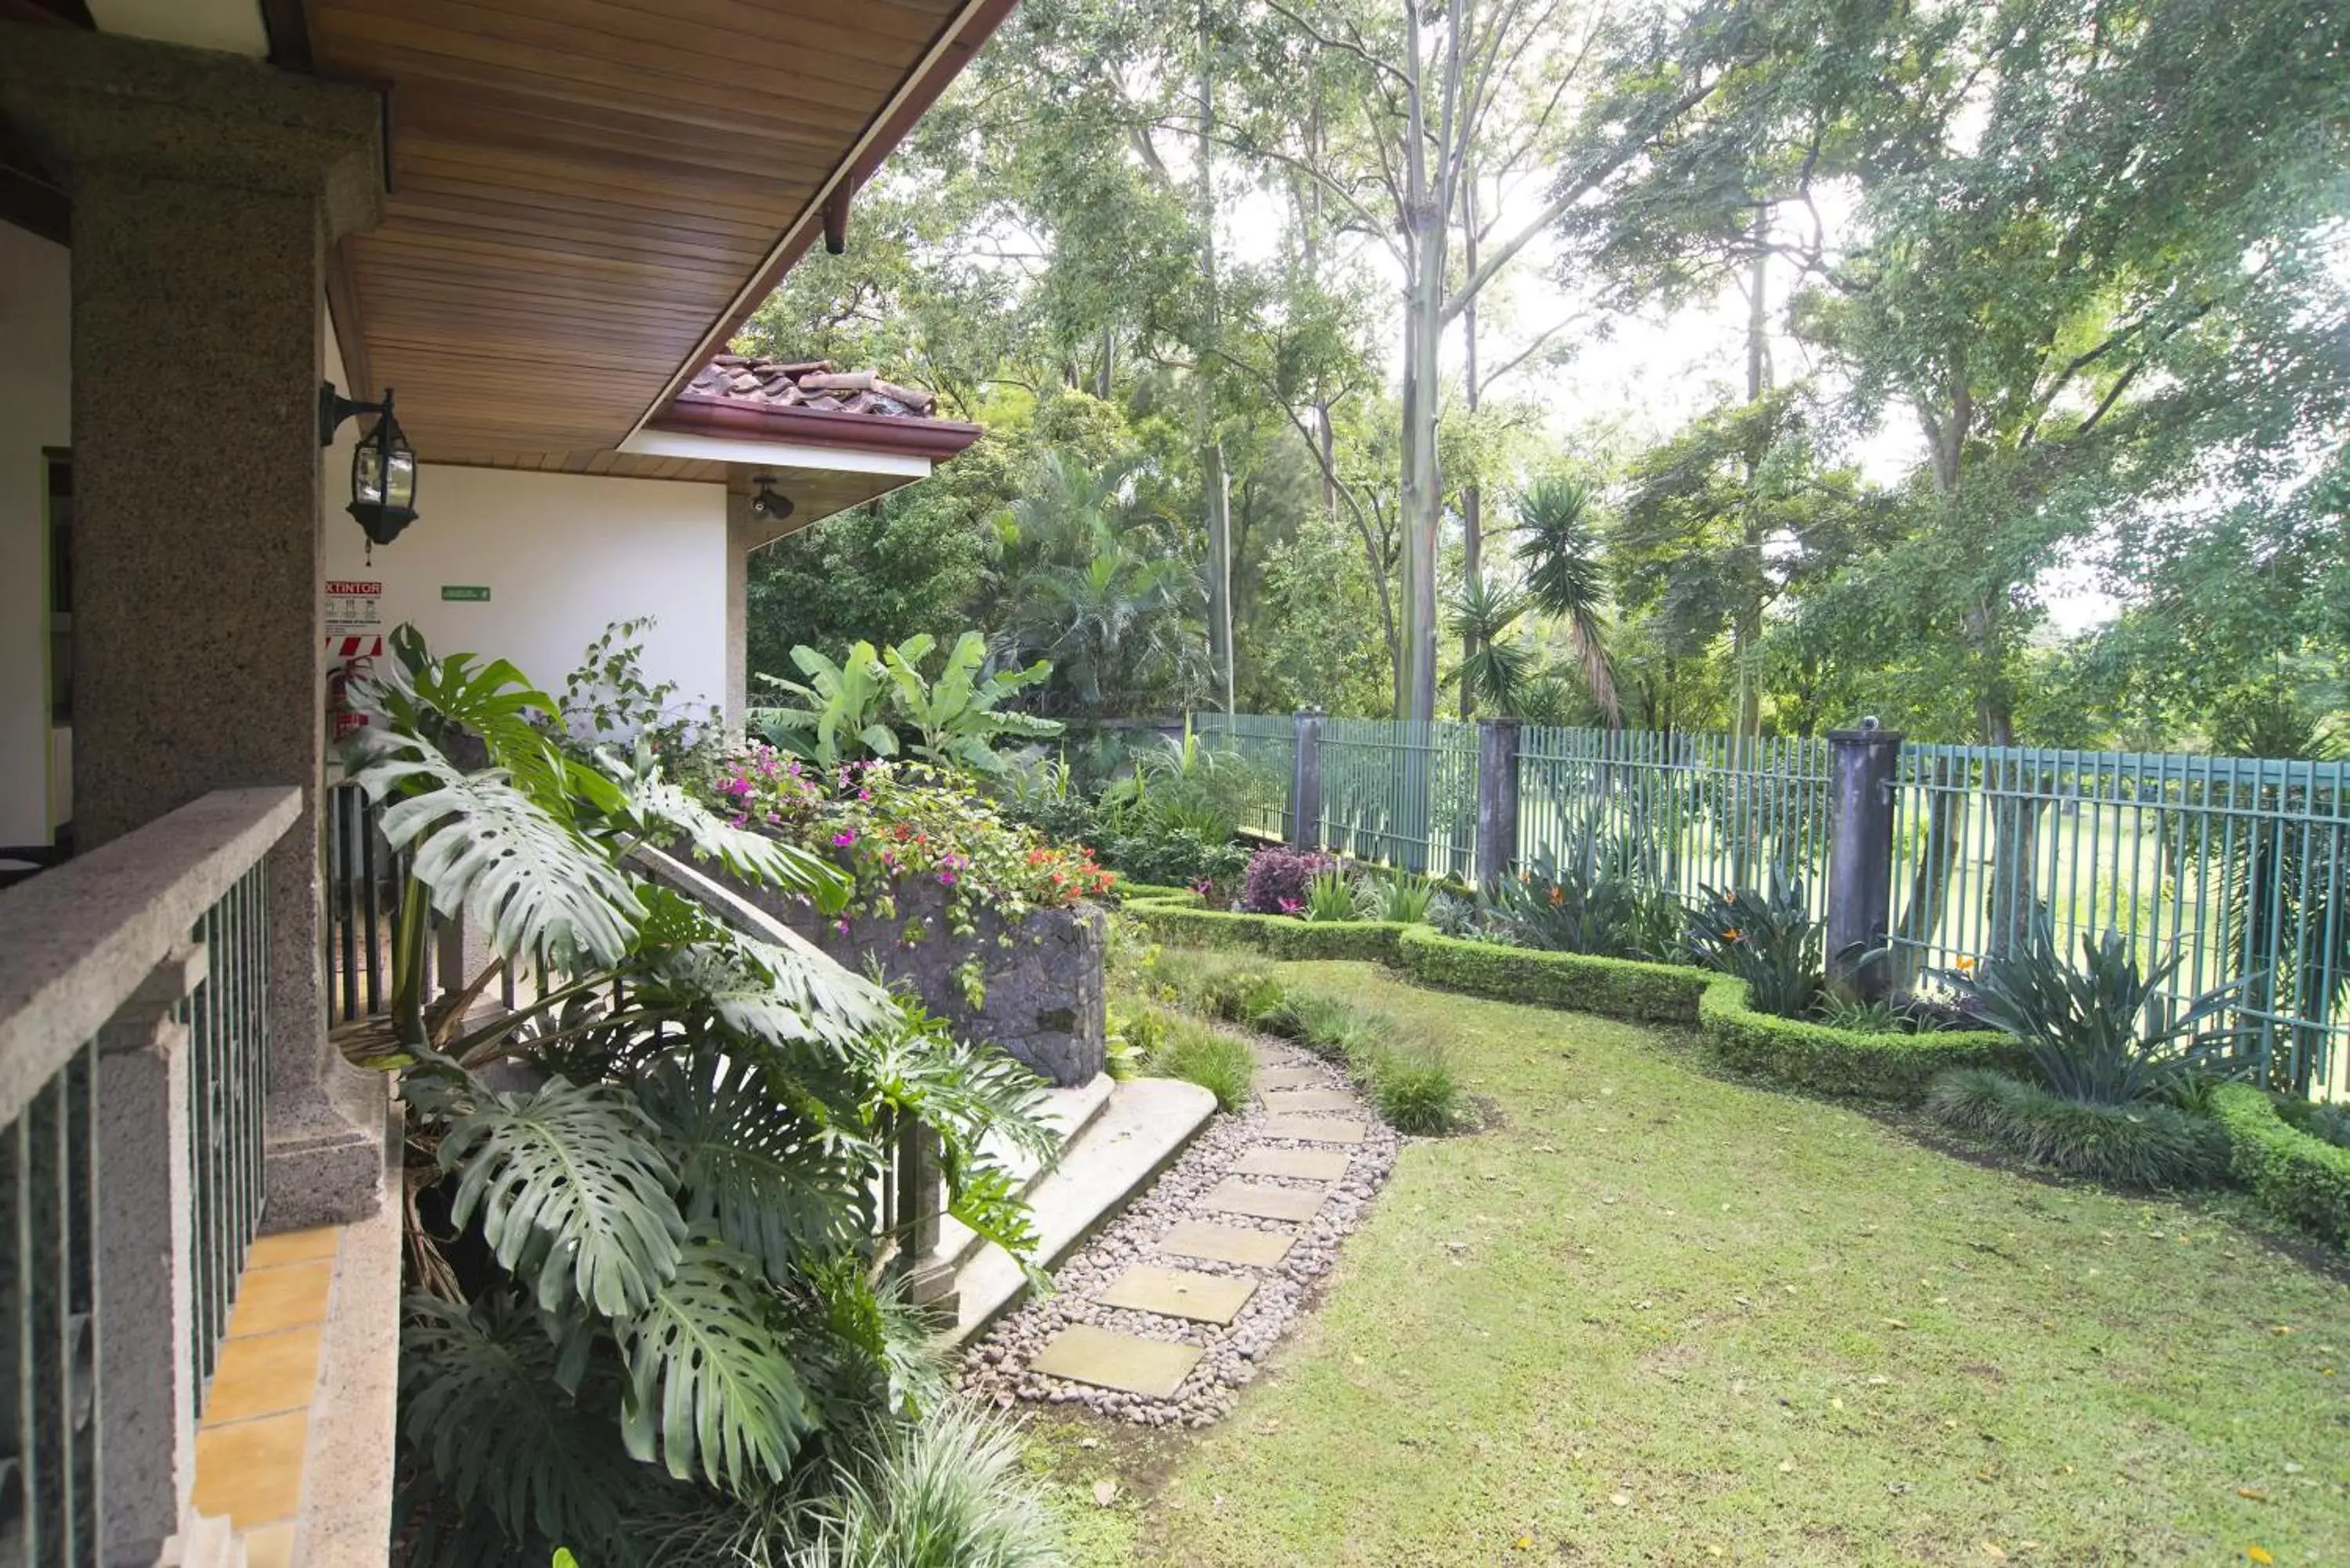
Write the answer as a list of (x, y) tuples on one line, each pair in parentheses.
[(1069, 1112), (1147, 1123)]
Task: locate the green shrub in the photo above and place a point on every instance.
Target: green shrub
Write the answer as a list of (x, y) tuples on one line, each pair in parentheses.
[(1831, 1060), (2296, 1175), (2143, 1145), (1613, 988), (1183, 1048)]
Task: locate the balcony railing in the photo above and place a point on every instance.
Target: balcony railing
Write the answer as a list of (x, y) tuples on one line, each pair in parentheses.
[(134, 1040)]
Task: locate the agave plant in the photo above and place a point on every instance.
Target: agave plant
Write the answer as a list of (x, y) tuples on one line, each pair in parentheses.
[(2101, 1031), (642, 1235)]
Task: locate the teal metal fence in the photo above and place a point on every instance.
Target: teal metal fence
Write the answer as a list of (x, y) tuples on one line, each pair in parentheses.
[(2239, 869), (1401, 794), (1268, 741), (1694, 811)]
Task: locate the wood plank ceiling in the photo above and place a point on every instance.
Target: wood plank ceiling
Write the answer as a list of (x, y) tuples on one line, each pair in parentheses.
[(584, 190)]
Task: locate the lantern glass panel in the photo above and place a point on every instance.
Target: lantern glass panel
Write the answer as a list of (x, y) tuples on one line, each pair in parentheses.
[(366, 472), (400, 478)]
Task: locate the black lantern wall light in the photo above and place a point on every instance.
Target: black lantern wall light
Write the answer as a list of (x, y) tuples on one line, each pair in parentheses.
[(383, 469)]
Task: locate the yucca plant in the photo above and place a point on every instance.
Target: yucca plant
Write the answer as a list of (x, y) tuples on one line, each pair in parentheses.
[(644, 1268)]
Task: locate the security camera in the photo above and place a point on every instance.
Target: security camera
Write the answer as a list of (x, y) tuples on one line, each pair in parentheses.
[(767, 505)]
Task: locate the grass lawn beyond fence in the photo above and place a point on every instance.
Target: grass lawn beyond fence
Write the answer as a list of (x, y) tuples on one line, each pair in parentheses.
[(1655, 1318)]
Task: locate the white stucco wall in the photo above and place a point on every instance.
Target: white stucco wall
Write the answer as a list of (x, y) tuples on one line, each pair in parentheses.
[(35, 385), (563, 557)]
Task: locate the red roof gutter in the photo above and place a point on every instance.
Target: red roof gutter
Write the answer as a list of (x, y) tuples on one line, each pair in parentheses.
[(726, 419), (978, 26)]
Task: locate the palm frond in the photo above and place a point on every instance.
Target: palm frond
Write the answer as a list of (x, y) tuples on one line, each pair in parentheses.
[(1566, 577), (574, 1195), (711, 1392)]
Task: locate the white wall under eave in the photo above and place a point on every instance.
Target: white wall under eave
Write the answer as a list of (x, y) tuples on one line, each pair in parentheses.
[(36, 411), (563, 555)]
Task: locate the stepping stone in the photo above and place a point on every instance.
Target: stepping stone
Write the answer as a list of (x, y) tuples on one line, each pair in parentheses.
[(1270, 1056), (1300, 1164), (1315, 1129), (1235, 1197), (1288, 1077), (1179, 1292), (1281, 1101), (1084, 1354), (1227, 1244)]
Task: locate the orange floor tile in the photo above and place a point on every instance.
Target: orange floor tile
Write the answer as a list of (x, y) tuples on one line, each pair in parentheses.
[(256, 1430)]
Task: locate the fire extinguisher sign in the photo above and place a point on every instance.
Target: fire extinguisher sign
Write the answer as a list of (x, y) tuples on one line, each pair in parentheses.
[(354, 618)]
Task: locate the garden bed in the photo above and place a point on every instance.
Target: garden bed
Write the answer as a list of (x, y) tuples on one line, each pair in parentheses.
[(1612, 988), (1826, 1060), (1032, 986)]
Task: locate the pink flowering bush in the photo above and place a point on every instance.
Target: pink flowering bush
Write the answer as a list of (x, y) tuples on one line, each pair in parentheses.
[(889, 823)]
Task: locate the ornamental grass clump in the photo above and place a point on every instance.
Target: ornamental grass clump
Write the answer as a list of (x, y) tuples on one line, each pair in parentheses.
[(2142, 1144), (2119, 1064), (1332, 896), (1186, 1049)]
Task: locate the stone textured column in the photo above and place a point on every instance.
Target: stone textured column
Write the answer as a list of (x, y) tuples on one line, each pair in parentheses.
[(205, 188), (1305, 781), (1497, 798), (1860, 859)]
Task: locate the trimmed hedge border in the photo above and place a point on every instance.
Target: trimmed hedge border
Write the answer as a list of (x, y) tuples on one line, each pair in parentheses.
[(1576, 982), (1831, 1060), (1277, 935), (1153, 893), (2295, 1177)]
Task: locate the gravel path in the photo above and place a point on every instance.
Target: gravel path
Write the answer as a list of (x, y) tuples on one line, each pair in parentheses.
[(997, 1366)]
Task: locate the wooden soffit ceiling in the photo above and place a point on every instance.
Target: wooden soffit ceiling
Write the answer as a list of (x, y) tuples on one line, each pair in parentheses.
[(588, 196)]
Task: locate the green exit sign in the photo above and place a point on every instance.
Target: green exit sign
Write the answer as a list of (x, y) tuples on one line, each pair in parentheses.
[(471, 593)]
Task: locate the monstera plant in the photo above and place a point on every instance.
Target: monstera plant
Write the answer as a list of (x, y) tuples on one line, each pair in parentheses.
[(646, 1276)]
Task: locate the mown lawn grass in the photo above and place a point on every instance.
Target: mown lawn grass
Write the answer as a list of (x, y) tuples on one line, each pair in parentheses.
[(1650, 1316)]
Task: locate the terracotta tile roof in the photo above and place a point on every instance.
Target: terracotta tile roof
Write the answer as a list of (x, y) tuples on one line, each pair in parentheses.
[(814, 384)]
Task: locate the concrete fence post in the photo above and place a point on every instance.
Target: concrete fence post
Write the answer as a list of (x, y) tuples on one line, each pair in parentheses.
[(1860, 859), (146, 1263), (1305, 783), (1497, 798)]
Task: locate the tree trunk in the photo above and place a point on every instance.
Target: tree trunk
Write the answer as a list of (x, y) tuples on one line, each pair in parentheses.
[(1423, 492), (1214, 490), (1473, 521)]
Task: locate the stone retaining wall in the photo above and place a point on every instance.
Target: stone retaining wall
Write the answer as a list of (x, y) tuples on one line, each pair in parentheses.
[(1045, 996)]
